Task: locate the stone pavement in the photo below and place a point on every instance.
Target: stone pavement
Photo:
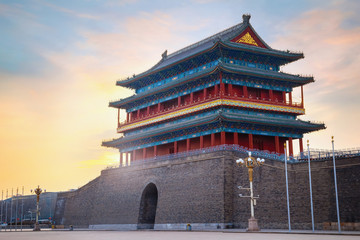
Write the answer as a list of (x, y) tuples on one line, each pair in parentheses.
[(175, 235)]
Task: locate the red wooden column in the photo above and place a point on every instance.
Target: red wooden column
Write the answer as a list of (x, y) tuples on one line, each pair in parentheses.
[(121, 159), (179, 101), (245, 91), (175, 147), (191, 97), (284, 96), (236, 138), (302, 96), (201, 142), (222, 138), (138, 114), (127, 117), (251, 141), (277, 144), (213, 139), (134, 155), (216, 90), (301, 145), (159, 107), (222, 85), (271, 94), (290, 98), (230, 89), (155, 150), (148, 111), (188, 144), (144, 153), (205, 93), (291, 153)]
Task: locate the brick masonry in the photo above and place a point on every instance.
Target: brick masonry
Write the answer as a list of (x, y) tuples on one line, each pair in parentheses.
[(202, 190)]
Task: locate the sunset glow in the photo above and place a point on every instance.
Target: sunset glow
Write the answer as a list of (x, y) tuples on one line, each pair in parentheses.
[(59, 61)]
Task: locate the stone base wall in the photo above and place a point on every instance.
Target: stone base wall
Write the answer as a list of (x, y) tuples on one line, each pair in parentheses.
[(202, 190)]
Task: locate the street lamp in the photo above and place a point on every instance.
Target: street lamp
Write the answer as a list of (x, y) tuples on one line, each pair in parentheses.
[(37, 191), (250, 162)]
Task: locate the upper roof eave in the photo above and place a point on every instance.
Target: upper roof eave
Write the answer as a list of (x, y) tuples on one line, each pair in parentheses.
[(205, 44), (168, 61), (224, 38), (188, 51), (163, 64)]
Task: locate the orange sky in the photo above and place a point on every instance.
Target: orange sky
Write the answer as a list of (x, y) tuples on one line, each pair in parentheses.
[(59, 64)]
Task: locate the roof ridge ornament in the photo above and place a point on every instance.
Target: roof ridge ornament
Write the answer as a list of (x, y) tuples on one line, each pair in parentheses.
[(246, 18), (164, 55)]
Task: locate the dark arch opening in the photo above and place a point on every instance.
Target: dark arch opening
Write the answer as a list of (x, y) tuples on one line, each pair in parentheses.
[(148, 204)]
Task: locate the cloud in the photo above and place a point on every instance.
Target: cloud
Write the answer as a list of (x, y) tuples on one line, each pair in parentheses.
[(71, 12), (332, 55), (332, 52), (15, 10)]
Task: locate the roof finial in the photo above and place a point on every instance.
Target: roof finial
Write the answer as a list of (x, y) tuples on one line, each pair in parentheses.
[(164, 55), (246, 18)]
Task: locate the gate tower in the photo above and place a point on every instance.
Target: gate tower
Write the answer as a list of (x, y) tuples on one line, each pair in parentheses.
[(225, 89)]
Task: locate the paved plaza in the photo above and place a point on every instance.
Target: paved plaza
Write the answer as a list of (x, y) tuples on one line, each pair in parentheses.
[(166, 235)]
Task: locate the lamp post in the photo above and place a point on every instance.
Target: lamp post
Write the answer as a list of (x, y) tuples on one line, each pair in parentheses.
[(37, 191), (250, 162)]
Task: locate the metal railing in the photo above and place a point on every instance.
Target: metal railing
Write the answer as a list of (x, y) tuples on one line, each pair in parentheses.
[(323, 154), (315, 155)]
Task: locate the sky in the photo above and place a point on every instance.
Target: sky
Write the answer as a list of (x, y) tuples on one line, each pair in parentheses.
[(59, 61)]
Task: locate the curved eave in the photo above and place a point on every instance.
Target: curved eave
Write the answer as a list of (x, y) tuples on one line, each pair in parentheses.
[(286, 55), (296, 80), (238, 118), (306, 126), (195, 52)]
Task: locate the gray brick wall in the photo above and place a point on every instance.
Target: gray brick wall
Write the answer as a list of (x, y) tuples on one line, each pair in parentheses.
[(203, 189)]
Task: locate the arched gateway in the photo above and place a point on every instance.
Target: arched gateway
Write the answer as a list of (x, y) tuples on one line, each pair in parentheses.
[(148, 204)]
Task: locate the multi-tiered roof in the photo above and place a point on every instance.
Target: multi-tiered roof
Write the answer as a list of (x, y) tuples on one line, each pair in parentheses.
[(225, 89)]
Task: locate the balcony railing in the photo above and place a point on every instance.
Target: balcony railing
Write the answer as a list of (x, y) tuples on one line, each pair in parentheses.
[(208, 98)]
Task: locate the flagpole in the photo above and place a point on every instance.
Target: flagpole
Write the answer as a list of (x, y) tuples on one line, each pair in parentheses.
[(311, 199), (16, 207), (287, 189), (336, 191), (2, 206), (11, 205), (22, 208), (6, 204)]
